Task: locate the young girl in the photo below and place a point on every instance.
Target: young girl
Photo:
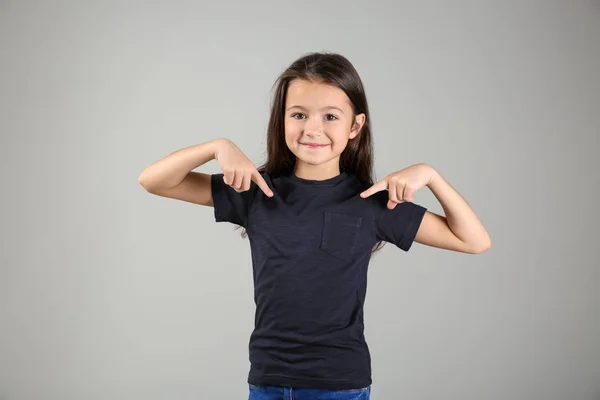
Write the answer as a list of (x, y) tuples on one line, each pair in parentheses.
[(314, 216)]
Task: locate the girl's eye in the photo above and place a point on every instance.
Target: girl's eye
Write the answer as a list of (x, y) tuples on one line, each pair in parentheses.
[(328, 115)]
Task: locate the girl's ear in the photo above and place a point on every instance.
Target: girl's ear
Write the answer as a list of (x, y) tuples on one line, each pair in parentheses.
[(359, 121)]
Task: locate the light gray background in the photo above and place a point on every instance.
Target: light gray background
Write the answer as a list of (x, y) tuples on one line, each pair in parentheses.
[(108, 292)]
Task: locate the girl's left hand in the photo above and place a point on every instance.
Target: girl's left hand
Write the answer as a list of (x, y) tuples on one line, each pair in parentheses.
[(403, 184)]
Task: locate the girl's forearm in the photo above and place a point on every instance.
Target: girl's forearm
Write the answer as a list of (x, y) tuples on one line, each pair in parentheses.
[(172, 169), (459, 215)]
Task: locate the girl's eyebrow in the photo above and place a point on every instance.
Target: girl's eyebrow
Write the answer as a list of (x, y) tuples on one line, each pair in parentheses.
[(322, 108)]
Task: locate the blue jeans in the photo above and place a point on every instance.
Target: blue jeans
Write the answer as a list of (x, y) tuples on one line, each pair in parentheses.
[(265, 392)]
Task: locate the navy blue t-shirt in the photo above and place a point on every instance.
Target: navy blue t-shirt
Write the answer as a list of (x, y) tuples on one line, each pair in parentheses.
[(311, 245)]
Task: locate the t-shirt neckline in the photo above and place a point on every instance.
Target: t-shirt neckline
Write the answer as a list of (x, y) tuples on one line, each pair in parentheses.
[(325, 182)]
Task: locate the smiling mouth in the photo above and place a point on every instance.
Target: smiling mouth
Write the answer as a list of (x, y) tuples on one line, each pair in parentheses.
[(314, 146)]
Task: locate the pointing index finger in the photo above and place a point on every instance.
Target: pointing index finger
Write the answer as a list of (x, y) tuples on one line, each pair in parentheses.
[(262, 184), (378, 187)]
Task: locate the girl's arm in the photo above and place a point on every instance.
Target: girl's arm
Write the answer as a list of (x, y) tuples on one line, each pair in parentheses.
[(172, 176), (460, 229)]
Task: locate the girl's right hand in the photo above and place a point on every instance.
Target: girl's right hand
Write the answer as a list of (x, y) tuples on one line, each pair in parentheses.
[(238, 170)]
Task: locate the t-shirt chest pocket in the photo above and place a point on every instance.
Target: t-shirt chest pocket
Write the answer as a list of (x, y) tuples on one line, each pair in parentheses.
[(340, 234)]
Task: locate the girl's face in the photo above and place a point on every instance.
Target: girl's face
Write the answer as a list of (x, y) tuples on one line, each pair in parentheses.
[(319, 121)]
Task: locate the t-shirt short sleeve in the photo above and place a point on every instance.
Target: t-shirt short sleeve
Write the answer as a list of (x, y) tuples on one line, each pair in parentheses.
[(229, 205), (398, 225)]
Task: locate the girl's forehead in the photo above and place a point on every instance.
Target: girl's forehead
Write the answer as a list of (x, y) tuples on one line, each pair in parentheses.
[(307, 93)]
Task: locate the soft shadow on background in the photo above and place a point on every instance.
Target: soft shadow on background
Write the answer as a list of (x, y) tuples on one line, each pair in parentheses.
[(109, 292)]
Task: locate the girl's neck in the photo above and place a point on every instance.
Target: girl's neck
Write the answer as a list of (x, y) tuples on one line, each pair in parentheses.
[(317, 172)]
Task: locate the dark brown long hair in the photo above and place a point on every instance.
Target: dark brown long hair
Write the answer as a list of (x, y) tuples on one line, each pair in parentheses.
[(332, 69)]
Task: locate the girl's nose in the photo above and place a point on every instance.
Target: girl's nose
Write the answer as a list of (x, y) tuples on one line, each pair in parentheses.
[(313, 126)]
